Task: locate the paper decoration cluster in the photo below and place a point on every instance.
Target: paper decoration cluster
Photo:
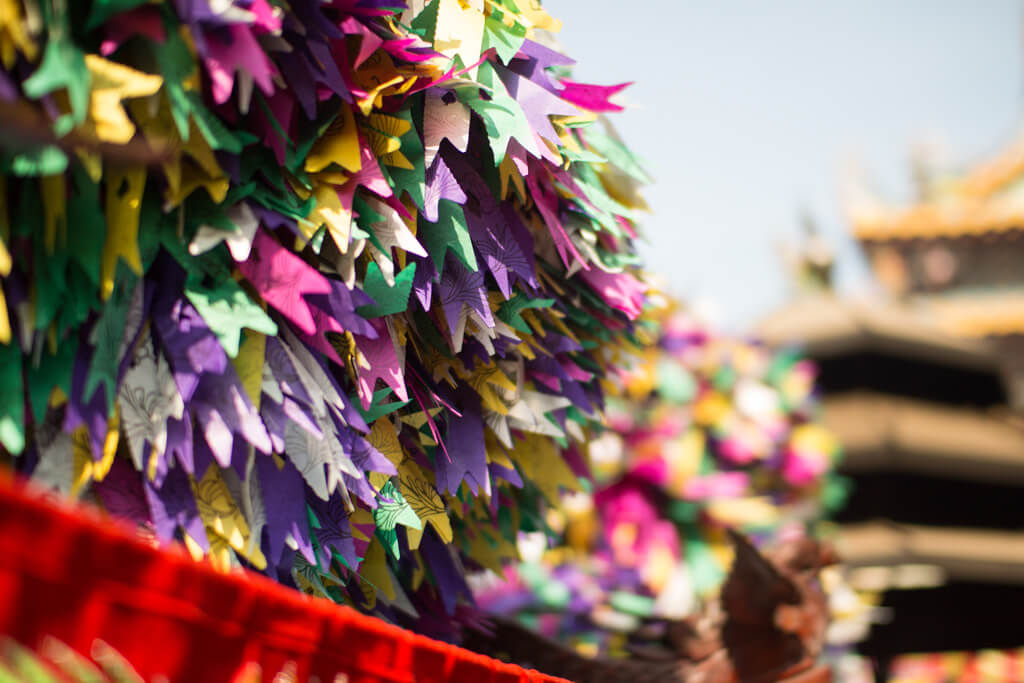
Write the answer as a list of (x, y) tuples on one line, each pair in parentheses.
[(714, 432), (327, 289)]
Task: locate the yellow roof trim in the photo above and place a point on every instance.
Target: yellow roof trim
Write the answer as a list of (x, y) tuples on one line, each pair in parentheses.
[(959, 217), (963, 206), (991, 176), (981, 315)]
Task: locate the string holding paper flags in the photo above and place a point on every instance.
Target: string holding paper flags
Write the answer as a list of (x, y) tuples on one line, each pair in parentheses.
[(325, 289)]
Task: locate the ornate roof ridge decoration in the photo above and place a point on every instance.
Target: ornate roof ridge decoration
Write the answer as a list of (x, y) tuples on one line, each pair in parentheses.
[(984, 199)]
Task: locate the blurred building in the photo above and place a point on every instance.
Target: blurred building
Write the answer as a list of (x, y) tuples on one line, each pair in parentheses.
[(935, 455), (957, 251)]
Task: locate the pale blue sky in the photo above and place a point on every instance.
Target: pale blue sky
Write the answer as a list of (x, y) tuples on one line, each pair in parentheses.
[(746, 109)]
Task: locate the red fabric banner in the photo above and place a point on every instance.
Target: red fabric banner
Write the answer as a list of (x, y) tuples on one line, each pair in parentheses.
[(68, 573)]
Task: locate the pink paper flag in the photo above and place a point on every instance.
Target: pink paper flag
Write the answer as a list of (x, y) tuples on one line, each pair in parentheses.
[(240, 51), (717, 485), (592, 97), (266, 19), (547, 204), (369, 176), (619, 290), (283, 279), (382, 356), (368, 44)]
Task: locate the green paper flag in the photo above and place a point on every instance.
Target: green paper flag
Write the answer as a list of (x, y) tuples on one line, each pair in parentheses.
[(12, 406), (226, 309), (46, 160), (107, 334), (424, 24), (616, 153), (506, 40), (503, 117), (63, 67), (387, 300), (450, 232), (388, 515), (378, 409), (509, 311), (104, 9), (675, 383), (52, 371)]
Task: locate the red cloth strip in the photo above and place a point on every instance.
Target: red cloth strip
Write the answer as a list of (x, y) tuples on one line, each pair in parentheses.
[(66, 572)]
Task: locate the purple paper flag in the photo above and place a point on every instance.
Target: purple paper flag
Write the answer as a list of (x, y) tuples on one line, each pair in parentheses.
[(446, 570), (173, 506), (459, 286), (285, 507), (335, 532), (464, 442), (190, 346), (121, 493), (533, 61), (179, 443), (441, 184)]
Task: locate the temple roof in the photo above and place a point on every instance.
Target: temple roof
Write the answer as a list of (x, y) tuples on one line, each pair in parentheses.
[(978, 314), (826, 325), (885, 433), (964, 554), (988, 198)]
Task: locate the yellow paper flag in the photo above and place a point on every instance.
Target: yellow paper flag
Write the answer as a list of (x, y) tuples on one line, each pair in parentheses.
[(124, 203), (112, 83)]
